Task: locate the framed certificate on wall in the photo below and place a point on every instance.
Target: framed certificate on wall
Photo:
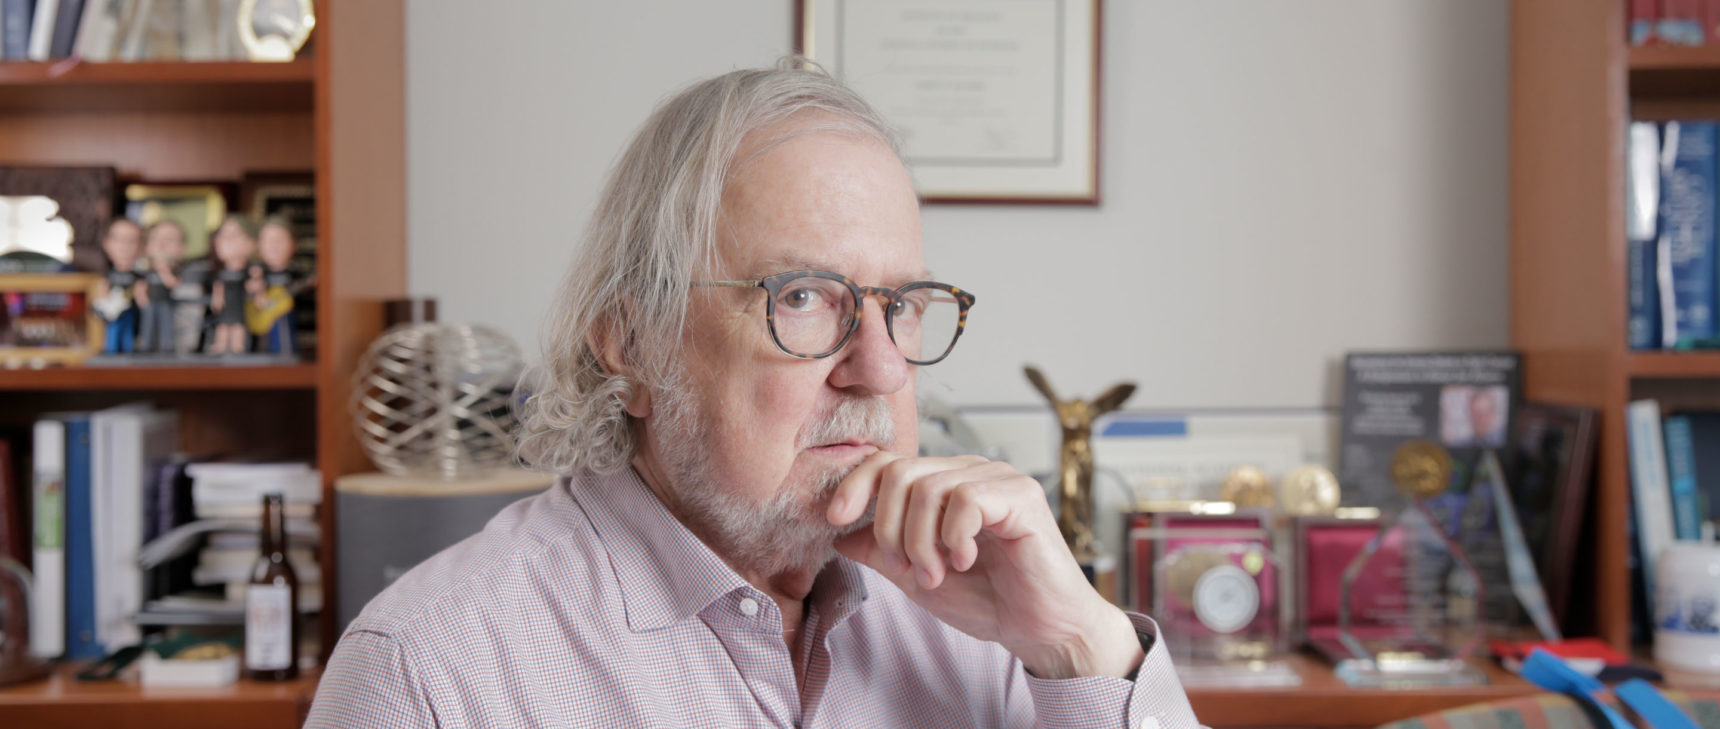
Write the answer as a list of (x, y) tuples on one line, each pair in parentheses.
[(994, 100)]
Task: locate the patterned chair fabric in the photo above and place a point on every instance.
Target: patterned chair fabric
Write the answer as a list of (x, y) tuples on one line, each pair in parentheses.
[(1553, 711)]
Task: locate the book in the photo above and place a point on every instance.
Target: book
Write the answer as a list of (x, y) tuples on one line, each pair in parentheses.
[(98, 30), (1681, 477), (47, 486), (1681, 23), (42, 29), (1705, 445), (15, 28), (80, 543), (127, 444), (66, 21), (14, 516), (1650, 492), (1640, 23), (1691, 164), (1642, 191)]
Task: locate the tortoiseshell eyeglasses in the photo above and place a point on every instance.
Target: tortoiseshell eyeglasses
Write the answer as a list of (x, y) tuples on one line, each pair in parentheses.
[(813, 314)]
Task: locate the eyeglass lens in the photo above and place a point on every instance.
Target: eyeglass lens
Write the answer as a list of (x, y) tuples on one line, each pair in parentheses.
[(814, 314)]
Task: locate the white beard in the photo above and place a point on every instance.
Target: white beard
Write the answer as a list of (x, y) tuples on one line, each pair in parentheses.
[(787, 532)]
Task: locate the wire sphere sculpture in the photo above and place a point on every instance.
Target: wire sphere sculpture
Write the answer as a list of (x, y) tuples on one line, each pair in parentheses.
[(435, 400)]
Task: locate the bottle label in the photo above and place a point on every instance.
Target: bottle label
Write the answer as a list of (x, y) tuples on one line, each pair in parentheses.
[(268, 627)]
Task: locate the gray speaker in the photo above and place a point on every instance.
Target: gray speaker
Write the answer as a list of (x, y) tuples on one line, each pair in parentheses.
[(388, 524)]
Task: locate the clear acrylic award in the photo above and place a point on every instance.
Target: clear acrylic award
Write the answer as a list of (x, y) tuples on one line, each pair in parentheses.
[(1409, 614)]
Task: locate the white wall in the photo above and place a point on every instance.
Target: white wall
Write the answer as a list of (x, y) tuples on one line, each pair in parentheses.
[(1283, 180)]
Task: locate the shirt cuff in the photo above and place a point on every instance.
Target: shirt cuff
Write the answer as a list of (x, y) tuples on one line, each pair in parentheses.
[(1154, 700)]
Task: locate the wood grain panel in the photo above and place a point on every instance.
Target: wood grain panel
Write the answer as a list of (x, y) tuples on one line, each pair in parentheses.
[(162, 146)]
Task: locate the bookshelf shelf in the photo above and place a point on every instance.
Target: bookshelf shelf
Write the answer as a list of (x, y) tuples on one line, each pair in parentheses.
[(1674, 365), (68, 86), (1675, 58), (283, 377)]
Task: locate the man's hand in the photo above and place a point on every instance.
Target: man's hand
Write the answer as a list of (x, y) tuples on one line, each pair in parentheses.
[(974, 542)]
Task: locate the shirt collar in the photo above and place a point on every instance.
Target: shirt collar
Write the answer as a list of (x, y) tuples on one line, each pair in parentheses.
[(666, 573)]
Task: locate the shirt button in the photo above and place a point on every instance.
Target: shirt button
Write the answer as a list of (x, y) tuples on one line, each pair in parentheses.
[(749, 606), (1149, 723)]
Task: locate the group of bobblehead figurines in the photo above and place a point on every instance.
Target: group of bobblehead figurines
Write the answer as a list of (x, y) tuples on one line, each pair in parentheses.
[(250, 292)]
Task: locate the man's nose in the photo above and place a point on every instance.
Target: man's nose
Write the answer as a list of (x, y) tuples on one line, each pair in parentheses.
[(871, 362)]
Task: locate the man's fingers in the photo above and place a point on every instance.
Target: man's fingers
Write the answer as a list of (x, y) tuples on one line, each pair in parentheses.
[(855, 492)]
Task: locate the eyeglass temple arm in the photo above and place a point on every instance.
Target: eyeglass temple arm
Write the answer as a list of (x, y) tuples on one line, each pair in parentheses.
[(729, 284)]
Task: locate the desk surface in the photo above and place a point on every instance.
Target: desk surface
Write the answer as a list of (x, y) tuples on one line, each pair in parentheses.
[(64, 701), (1321, 701), (1325, 701)]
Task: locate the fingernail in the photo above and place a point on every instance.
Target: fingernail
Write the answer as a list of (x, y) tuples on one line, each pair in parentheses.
[(838, 505), (895, 561), (925, 578)]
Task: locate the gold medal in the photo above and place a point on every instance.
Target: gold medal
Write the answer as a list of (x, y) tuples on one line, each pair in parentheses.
[(1421, 468), (1247, 487), (1186, 569), (1310, 491)]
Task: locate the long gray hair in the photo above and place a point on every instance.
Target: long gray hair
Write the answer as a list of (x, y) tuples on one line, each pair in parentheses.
[(654, 227)]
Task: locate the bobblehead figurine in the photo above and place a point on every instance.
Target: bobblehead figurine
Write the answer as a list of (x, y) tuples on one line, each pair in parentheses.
[(122, 244), (272, 287), (235, 242), (164, 246)]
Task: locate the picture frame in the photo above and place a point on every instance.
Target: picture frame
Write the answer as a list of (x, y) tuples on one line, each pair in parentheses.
[(197, 207), (289, 194), (1550, 469), (85, 196), (47, 318), (991, 103)]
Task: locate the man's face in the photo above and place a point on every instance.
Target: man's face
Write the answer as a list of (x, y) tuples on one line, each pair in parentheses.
[(1483, 414), (761, 419)]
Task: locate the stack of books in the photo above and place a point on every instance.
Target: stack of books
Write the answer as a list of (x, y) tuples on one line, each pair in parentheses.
[(1673, 22), (120, 30), (1670, 225)]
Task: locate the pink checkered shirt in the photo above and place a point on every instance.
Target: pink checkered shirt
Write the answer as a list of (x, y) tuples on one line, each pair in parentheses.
[(590, 605)]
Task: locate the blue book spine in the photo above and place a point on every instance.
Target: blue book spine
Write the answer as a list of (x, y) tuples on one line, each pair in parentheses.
[(15, 35), (1681, 471), (80, 544), (1687, 219), (1641, 232)]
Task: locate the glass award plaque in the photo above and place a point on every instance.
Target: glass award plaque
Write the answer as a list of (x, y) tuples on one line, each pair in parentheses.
[(1409, 610), (1218, 599)]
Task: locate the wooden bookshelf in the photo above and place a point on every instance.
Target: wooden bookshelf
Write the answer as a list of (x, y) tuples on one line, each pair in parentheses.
[(1576, 85), (1674, 365), (282, 377), (339, 110), (65, 86)]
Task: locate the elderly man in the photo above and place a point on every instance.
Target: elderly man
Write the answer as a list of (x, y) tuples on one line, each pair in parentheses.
[(744, 535)]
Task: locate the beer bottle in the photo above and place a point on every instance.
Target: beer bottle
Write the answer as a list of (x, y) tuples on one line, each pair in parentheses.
[(271, 603)]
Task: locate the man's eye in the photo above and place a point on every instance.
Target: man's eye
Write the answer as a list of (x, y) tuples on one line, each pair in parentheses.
[(803, 299)]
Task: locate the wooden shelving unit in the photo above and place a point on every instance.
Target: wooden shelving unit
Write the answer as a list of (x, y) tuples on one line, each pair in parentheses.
[(1575, 87), (338, 110), (283, 377)]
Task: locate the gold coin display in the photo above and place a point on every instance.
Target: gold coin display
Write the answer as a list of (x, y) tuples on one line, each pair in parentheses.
[(1186, 568), (1421, 468), (1309, 491), (1247, 487)]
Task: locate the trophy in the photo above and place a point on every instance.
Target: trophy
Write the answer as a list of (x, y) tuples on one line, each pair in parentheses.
[(1409, 612), (1075, 483), (1218, 596)]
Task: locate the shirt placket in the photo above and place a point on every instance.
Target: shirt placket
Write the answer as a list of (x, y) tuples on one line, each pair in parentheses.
[(749, 626)]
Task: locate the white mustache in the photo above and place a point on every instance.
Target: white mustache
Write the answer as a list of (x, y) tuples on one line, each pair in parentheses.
[(861, 419)]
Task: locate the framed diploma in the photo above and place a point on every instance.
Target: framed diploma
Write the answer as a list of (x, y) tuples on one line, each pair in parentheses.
[(994, 100)]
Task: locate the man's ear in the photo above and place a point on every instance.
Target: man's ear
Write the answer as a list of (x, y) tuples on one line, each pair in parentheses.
[(610, 345)]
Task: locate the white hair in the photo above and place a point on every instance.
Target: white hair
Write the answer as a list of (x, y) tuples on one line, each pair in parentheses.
[(654, 227)]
